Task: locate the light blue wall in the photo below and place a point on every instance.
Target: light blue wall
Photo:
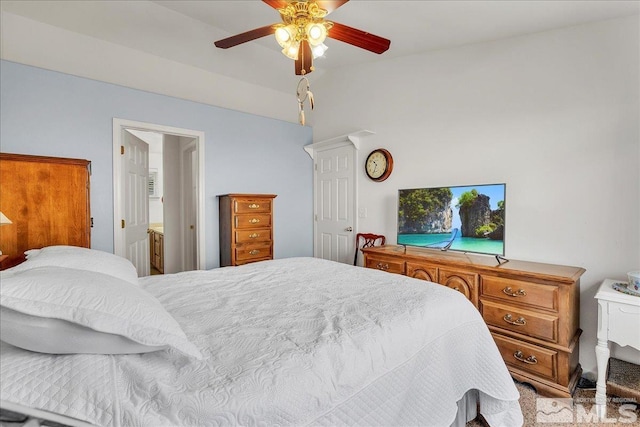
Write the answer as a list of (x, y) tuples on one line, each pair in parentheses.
[(53, 114)]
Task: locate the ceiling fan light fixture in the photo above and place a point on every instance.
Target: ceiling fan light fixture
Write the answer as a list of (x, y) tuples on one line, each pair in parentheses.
[(319, 50), (303, 26)]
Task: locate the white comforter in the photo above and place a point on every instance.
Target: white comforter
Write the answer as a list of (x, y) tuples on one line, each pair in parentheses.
[(298, 341)]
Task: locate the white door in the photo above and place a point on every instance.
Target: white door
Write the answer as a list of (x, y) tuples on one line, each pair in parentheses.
[(135, 169), (335, 203)]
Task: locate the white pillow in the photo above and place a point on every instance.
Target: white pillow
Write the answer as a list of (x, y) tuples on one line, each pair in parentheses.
[(81, 259), (56, 336), (93, 300), (31, 253)]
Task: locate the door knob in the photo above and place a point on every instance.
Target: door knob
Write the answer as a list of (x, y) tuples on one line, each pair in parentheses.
[(348, 229)]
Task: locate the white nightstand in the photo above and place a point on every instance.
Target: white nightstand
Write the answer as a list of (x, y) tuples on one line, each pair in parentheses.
[(618, 321)]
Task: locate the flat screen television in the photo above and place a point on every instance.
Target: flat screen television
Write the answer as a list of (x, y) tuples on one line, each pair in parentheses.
[(462, 218)]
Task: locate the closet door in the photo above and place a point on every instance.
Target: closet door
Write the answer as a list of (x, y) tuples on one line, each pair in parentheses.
[(47, 200)]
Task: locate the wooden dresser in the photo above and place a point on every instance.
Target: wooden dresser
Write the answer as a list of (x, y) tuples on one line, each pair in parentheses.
[(532, 309), (246, 228), (47, 199)]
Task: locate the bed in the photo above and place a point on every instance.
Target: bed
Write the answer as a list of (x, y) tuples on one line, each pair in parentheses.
[(299, 341)]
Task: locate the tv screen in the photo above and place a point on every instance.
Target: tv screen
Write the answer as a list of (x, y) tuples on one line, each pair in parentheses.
[(462, 218)]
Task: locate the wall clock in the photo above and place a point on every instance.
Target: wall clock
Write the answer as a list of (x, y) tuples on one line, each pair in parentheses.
[(379, 165)]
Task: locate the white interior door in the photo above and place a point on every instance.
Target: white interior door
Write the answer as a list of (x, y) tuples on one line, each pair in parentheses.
[(135, 169), (335, 203)]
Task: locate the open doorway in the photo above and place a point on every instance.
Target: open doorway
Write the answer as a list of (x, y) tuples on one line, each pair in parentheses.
[(158, 197)]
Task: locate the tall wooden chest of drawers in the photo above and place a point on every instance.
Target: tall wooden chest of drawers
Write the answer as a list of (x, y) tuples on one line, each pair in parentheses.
[(246, 228), (532, 309)]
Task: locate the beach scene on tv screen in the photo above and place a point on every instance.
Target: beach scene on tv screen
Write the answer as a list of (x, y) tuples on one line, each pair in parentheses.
[(461, 218)]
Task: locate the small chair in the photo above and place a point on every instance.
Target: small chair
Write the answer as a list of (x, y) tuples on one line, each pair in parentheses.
[(367, 240)]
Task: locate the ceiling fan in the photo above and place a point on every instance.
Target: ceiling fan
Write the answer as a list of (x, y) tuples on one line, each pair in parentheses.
[(303, 31)]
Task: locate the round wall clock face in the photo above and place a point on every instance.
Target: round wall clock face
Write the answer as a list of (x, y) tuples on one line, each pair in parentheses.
[(379, 165)]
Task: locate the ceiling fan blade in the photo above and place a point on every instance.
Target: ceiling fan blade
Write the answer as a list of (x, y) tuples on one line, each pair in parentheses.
[(330, 5), (304, 63), (245, 37), (359, 38), (276, 4)]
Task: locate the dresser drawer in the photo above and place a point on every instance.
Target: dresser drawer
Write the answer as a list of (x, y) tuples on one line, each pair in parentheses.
[(622, 317), (422, 271), (253, 252), (386, 264), (527, 357), (250, 236), (464, 282), (517, 291), (252, 205), (526, 322), (252, 220)]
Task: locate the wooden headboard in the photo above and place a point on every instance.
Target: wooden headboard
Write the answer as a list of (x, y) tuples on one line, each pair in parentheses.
[(47, 199)]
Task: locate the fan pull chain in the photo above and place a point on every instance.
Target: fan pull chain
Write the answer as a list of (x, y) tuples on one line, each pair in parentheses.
[(303, 93)]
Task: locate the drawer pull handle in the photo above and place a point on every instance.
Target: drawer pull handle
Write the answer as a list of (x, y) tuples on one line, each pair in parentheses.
[(531, 360), (254, 235), (520, 321), (509, 291), (383, 267), (254, 206), (254, 252), (254, 220)]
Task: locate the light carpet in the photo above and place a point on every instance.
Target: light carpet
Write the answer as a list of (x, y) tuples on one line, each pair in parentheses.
[(560, 413)]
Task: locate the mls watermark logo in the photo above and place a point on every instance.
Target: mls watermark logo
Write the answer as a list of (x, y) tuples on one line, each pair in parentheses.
[(570, 411)]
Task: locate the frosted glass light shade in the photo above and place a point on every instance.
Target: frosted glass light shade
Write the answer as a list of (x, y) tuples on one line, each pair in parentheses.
[(316, 34), (319, 50), (285, 35), (291, 50)]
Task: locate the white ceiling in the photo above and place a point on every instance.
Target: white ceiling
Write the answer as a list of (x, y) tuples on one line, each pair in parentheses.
[(184, 30)]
